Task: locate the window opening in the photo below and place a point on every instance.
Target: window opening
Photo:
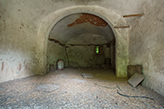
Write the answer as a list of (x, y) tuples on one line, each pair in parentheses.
[(97, 49)]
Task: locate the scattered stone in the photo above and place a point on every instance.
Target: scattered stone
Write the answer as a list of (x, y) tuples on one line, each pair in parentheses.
[(74, 96), (87, 75)]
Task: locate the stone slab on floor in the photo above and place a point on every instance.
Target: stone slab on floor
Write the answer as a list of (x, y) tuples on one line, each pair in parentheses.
[(87, 75), (78, 80), (136, 79), (47, 87)]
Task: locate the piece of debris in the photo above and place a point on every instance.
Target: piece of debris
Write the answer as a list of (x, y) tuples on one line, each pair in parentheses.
[(87, 75), (78, 81), (136, 79), (47, 87)]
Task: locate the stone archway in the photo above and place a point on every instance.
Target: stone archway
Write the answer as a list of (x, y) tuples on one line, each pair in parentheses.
[(112, 18)]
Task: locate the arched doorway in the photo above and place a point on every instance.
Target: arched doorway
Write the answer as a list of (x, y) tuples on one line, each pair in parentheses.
[(88, 41), (113, 19)]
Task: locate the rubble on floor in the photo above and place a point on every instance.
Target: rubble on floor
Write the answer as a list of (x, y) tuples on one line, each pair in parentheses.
[(67, 89)]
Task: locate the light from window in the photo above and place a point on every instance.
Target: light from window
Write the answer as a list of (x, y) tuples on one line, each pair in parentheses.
[(97, 49)]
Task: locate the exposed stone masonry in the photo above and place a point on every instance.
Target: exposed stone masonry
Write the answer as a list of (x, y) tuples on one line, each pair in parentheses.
[(92, 19)]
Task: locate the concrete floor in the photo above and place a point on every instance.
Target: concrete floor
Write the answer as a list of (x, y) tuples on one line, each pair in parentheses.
[(73, 91)]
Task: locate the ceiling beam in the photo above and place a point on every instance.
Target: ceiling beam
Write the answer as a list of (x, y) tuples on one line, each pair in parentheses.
[(122, 26), (133, 15)]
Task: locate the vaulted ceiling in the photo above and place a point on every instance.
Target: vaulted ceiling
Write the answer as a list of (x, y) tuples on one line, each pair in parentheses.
[(78, 24)]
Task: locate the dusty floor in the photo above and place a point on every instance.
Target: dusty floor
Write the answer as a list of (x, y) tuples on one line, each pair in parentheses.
[(76, 92)]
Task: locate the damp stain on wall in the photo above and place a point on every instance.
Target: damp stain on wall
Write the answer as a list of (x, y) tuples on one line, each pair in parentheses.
[(2, 66), (20, 67), (92, 19)]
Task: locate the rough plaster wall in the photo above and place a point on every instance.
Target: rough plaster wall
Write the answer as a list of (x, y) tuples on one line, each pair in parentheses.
[(18, 43), (88, 39), (84, 56), (147, 44), (55, 52), (80, 56), (44, 7)]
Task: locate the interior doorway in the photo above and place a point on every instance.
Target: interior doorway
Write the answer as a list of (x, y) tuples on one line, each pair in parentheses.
[(113, 19)]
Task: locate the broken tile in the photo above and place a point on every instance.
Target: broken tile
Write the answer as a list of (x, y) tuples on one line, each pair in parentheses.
[(136, 79)]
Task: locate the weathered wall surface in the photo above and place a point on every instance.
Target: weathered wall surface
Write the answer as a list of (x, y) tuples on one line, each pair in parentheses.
[(18, 43), (85, 55), (55, 52), (87, 39), (147, 44)]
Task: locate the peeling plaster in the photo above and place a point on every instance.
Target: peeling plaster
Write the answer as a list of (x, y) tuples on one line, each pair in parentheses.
[(92, 19)]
